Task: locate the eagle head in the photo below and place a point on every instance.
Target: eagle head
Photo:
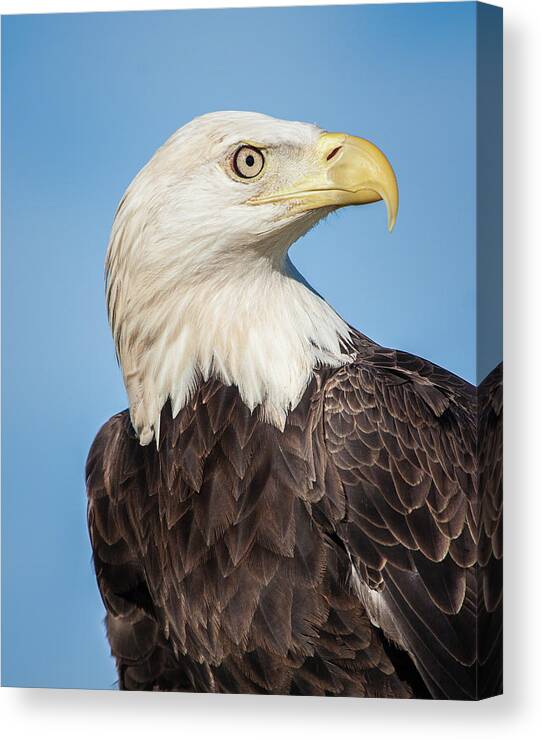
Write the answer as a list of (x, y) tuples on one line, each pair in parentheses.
[(199, 282)]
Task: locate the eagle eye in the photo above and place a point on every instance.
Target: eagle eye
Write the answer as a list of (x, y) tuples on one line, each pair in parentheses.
[(248, 162)]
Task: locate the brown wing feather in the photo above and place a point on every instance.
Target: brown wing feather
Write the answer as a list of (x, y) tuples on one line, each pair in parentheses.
[(145, 660), (418, 452)]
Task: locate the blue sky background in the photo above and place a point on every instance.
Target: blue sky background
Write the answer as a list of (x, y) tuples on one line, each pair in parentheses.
[(86, 100)]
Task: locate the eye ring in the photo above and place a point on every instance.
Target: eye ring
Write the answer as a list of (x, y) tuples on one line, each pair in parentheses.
[(248, 162)]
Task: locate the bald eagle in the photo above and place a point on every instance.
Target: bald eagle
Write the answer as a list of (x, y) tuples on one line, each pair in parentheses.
[(286, 507)]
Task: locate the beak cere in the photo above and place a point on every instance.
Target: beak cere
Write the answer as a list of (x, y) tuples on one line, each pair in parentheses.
[(347, 171), (358, 172)]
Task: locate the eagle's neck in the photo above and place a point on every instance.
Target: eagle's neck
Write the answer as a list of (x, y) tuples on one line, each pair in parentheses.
[(262, 329)]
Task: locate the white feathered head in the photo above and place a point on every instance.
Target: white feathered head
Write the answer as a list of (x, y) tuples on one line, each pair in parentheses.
[(198, 278)]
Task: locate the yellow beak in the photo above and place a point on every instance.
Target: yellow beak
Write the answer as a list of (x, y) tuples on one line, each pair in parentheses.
[(344, 171)]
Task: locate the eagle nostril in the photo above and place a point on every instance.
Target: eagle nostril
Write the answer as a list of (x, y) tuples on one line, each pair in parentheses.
[(333, 152)]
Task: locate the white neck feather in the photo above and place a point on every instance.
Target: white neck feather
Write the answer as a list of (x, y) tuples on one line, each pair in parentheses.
[(263, 330)]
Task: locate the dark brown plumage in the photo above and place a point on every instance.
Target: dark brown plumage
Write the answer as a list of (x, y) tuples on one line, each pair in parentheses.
[(225, 558)]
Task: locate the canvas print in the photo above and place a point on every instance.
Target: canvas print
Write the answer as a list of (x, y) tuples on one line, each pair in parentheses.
[(286, 411)]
